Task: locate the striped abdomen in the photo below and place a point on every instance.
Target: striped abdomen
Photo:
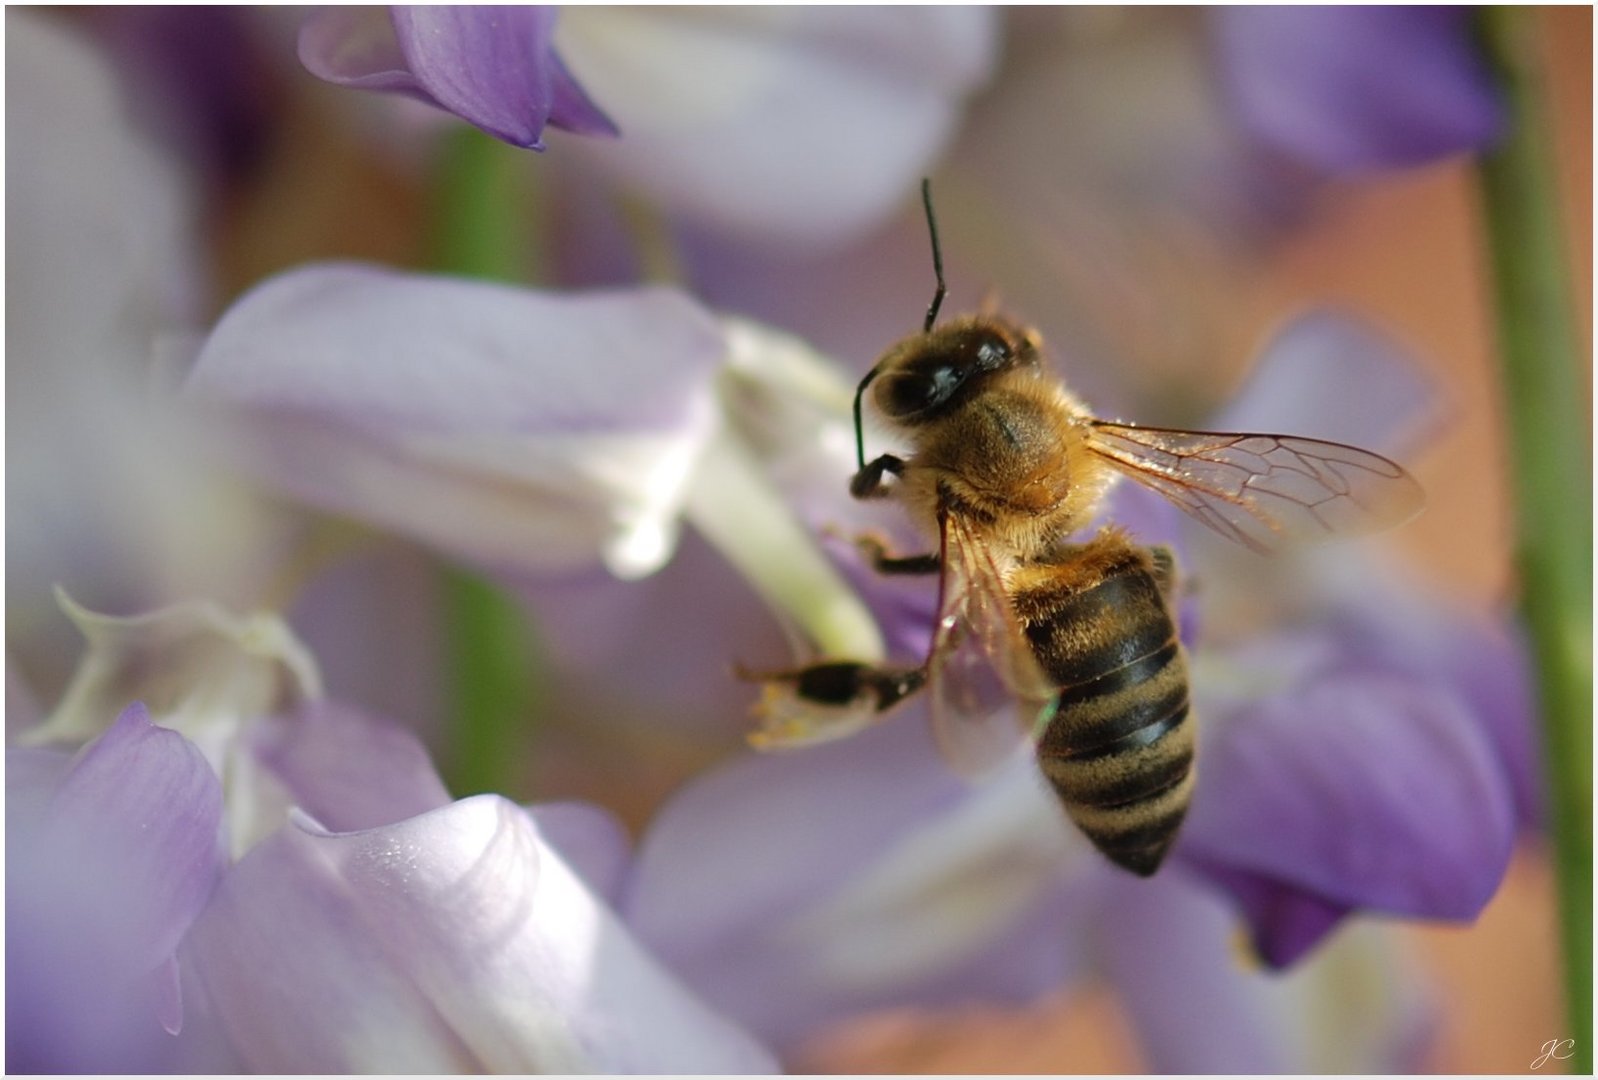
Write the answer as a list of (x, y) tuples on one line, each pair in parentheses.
[(1118, 749)]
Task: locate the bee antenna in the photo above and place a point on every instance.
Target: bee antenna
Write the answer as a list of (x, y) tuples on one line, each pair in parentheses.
[(937, 257), (932, 316), (859, 432)]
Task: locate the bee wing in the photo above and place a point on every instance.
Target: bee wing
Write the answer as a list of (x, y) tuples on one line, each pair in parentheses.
[(1265, 492), (982, 666)]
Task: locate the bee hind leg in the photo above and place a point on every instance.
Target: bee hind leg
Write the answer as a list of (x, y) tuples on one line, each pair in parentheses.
[(826, 701)]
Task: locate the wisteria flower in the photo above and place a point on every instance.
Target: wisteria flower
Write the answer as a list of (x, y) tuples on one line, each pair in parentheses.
[(1343, 780), (299, 869)]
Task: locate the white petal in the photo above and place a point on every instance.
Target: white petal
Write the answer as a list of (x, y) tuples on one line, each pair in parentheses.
[(523, 430), (199, 669)]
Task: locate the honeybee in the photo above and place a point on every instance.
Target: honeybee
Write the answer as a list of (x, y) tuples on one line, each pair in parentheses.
[(1005, 465)]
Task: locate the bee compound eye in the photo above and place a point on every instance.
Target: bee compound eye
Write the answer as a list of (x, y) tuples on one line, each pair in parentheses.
[(911, 392)]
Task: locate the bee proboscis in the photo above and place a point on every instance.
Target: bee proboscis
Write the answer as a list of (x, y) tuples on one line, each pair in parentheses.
[(1005, 466)]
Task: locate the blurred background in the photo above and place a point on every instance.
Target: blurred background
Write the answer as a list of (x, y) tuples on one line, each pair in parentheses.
[(1093, 181)]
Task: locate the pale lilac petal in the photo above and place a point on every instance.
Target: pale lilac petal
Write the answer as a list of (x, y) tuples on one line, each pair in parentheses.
[(141, 806), (32, 776), (524, 430), (1167, 946), (356, 47), (1354, 89), (101, 884), (593, 842), (801, 125), (1332, 376), (455, 941), (1358, 789), (299, 981), (491, 66), (347, 770), (797, 888)]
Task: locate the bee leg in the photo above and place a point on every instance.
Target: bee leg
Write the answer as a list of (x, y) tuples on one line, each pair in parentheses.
[(876, 552), (826, 701), (867, 483), (845, 682)]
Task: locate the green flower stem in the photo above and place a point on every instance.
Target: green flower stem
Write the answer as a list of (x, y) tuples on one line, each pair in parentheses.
[(493, 692), (483, 228), (483, 197), (1551, 453)]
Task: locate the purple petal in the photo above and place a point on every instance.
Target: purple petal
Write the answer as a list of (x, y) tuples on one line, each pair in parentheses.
[(346, 770), (1330, 376), (456, 941), (572, 109), (521, 429), (1484, 660), (204, 77), (1286, 921), (795, 889), (101, 886), (494, 67), (1357, 789), (491, 66), (1353, 89)]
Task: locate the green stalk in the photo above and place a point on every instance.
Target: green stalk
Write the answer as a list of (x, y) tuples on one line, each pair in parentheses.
[(1551, 453), (482, 229)]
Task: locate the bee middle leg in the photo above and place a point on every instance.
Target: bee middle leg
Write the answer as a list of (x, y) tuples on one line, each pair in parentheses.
[(884, 562)]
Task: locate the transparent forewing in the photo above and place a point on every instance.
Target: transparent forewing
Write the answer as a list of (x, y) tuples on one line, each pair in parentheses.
[(1266, 492), (986, 689)]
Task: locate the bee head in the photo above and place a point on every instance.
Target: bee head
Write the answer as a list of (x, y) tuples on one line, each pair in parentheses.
[(925, 376)]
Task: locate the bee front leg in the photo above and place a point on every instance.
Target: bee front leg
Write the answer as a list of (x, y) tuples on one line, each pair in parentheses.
[(868, 483)]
